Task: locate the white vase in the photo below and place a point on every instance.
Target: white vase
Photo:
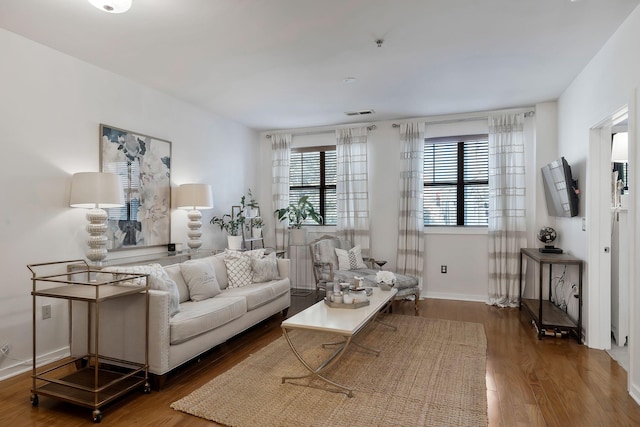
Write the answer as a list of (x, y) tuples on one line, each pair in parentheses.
[(298, 236), (234, 242), (256, 232)]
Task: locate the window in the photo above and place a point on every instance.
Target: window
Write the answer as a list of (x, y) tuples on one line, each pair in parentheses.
[(312, 172), (456, 181)]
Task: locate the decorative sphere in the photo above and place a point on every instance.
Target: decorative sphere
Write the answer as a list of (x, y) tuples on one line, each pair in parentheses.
[(547, 235)]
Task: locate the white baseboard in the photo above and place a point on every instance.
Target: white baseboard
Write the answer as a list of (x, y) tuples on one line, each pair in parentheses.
[(634, 392), (18, 367), (456, 297)]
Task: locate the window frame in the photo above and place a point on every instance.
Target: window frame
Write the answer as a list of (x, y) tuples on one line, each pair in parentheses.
[(323, 187), (460, 183)]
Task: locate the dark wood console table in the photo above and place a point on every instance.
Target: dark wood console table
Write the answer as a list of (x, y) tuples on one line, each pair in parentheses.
[(546, 315)]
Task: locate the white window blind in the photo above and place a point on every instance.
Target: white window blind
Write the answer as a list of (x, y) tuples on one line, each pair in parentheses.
[(456, 181), (312, 173)]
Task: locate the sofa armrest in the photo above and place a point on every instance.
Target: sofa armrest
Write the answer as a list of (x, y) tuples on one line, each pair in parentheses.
[(284, 267), (122, 329)]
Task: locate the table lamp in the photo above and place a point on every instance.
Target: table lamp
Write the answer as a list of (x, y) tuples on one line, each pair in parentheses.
[(95, 191), (194, 197)]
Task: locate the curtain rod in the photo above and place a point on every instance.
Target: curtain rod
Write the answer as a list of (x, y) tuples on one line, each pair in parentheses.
[(319, 132), (465, 119)]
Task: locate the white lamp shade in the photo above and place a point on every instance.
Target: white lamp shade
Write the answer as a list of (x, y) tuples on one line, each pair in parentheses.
[(112, 6), (194, 196), (620, 148), (96, 189)]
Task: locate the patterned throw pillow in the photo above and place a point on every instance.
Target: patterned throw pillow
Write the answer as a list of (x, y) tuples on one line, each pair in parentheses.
[(264, 269), (158, 279), (201, 279), (238, 270), (351, 259)]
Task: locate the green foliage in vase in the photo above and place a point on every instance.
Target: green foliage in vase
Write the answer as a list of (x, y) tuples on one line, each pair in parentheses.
[(297, 213)]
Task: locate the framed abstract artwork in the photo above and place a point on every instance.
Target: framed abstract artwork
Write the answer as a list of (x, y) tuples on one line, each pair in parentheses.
[(144, 166)]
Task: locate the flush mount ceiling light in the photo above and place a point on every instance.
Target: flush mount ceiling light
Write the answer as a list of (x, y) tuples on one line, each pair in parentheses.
[(112, 6)]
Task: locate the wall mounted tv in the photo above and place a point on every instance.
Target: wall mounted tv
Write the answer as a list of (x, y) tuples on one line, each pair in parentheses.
[(560, 189)]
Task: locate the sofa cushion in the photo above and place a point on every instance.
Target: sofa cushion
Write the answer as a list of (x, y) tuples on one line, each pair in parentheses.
[(264, 269), (196, 318), (350, 259), (239, 271), (201, 279), (173, 271), (158, 279), (258, 294)]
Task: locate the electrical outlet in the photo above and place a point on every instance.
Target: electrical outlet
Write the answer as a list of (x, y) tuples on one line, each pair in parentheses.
[(443, 269), (46, 312), (5, 349)]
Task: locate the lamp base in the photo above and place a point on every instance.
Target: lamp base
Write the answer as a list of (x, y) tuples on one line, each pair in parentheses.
[(194, 233), (97, 240)]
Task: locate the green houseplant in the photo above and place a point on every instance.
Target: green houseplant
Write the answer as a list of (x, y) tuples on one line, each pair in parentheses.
[(249, 205), (233, 226), (296, 214), (256, 227)]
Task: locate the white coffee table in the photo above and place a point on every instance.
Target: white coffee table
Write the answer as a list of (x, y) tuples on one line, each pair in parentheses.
[(345, 322)]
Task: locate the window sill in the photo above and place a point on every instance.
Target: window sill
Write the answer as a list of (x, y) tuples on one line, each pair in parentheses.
[(457, 230)]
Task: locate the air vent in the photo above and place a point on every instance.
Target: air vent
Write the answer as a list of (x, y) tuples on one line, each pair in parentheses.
[(359, 113)]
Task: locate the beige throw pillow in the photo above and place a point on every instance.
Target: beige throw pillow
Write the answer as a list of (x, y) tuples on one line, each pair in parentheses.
[(201, 279), (264, 269)]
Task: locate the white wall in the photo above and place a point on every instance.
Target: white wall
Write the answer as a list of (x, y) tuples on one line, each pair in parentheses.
[(51, 106), (463, 251), (605, 85)]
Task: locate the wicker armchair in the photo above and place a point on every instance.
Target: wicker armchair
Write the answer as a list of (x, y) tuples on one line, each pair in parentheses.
[(325, 269)]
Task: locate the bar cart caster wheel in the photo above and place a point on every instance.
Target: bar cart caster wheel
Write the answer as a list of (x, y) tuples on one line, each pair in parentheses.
[(34, 400), (147, 388), (97, 416)]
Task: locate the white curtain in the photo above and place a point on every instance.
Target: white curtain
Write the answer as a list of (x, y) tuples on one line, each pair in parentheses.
[(507, 228), (411, 213), (352, 181), (280, 159)]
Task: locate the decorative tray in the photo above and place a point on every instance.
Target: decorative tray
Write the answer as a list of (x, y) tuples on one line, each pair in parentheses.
[(342, 305)]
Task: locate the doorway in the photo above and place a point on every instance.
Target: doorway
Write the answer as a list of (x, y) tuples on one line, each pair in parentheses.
[(600, 214)]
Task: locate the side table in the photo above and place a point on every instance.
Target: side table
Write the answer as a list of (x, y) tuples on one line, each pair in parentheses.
[(545, 314)]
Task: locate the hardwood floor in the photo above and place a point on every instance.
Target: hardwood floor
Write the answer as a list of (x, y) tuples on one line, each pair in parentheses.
[(552, 382)]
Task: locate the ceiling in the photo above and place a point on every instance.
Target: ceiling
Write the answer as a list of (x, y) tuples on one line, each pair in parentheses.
[(281, 64)]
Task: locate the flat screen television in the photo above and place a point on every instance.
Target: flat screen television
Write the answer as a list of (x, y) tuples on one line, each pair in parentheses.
[(560, 189)]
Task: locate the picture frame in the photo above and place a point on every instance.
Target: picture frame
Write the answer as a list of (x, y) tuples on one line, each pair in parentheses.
[(143, 163)]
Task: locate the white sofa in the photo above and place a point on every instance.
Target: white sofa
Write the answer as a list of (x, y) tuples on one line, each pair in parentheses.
[(198, 325)]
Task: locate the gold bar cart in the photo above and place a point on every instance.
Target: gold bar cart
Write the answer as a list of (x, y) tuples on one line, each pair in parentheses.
[(96, 379)]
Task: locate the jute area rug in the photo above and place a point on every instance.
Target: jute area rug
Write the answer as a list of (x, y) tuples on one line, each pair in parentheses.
[(429, 373)]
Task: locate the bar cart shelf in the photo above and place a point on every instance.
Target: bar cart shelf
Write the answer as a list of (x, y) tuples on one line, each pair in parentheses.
[(92, 380), (547, 316)]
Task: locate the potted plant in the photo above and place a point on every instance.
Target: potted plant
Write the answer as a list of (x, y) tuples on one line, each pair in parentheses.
[(296, 214), (249, 205), (256, 227), (233, 226)]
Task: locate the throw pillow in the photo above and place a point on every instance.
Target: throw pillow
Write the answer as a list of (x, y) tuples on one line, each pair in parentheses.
[(239, 271), (221, 270), (201, 279), (264, 269), (158, 279), (351, 259)]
